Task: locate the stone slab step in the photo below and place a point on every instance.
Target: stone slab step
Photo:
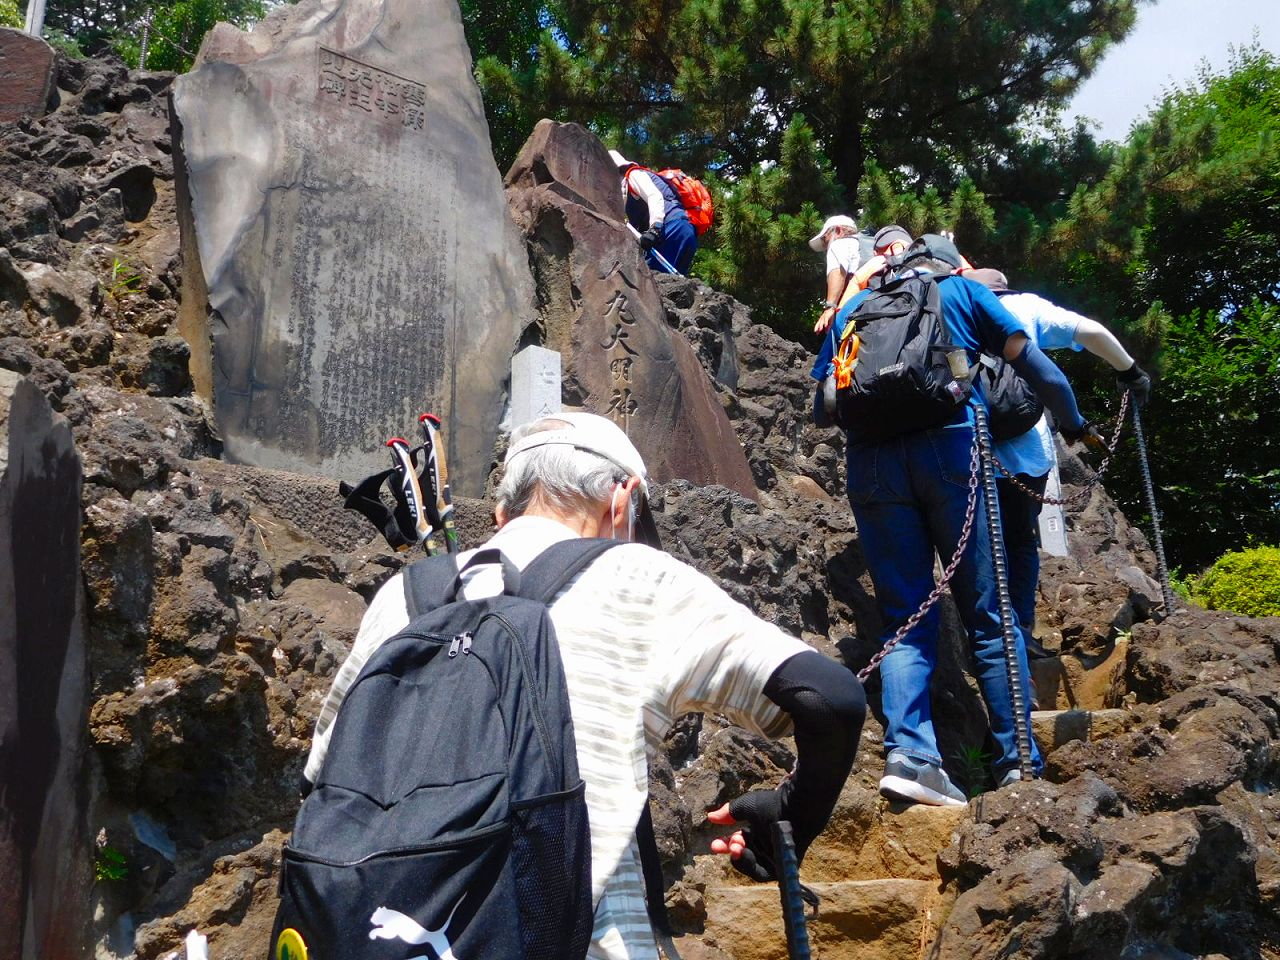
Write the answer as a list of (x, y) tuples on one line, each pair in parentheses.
[(882, 840), (1053, 728), (1071, 683), (867, 919)]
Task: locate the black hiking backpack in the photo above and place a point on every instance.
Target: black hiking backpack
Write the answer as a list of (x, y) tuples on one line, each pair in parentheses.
[(902, 381), (1013, 407), (448, 821)]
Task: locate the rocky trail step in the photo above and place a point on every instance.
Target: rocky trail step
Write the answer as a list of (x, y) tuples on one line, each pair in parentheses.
[(875, 869)]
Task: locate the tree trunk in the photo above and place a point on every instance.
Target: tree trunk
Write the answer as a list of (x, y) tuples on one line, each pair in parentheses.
[(847, 153)]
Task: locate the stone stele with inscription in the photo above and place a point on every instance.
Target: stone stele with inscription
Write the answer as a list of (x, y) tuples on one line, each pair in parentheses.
[(349, 259)]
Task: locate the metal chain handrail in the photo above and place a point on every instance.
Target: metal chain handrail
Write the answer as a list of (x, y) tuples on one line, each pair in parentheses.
[(1083, 493), (943, 582)]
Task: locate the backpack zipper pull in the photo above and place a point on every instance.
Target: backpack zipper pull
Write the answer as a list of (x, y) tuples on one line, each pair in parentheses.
[(466, 644), (453, 647)]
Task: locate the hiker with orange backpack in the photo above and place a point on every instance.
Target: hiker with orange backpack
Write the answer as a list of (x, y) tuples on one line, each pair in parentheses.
[(668, 208)]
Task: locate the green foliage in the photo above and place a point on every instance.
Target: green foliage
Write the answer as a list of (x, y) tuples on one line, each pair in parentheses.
[(721, 82), (1246, 582), (1176, 248), (763, 223), (109, 864), (60, 41), (1189, 212), (974, 763), (1183, 585), (925, 97), (1215, 454), (124, 280), (10, 15), (178, 28)]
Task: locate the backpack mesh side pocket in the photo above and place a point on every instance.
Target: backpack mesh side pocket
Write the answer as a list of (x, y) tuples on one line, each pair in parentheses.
[(551, 860)]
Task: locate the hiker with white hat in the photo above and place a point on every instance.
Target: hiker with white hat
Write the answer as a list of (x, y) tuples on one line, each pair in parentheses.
[(644, 638), (658, 215), (839, 239)]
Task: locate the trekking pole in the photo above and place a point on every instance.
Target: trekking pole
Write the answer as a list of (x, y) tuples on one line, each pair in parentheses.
[(791, 891), (1017, 694), (407, 476), (430, 425), (662, 261), (1157, 539)]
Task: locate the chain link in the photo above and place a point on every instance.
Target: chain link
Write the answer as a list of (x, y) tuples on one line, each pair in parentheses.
[(967, 530), (1083, 494), (970, 511)]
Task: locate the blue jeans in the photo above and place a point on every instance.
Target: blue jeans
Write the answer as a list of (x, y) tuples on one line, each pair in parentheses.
[(909, 496), (1020, 520)]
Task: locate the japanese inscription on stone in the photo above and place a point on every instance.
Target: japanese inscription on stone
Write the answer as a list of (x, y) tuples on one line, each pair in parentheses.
[(622, 403), (345, 80), (349, 262)]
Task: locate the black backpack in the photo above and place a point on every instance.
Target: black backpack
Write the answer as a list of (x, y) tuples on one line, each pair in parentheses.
[(449, 812), (1013, 407), (902, 382)]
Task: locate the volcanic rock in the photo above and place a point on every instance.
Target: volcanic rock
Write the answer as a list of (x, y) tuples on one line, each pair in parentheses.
[(44, 829)]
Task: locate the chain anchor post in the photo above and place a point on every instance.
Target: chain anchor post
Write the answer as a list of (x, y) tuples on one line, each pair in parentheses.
[(1157, 538), (1008, 629)]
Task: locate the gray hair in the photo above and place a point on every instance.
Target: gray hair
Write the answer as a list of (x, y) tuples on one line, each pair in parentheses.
[(564, 478)]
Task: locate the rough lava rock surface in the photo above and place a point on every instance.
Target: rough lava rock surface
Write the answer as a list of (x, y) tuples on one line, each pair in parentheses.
[(220, 601)]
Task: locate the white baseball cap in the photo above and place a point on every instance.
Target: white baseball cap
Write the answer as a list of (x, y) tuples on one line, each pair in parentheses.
[(599, 435), (819, 242)]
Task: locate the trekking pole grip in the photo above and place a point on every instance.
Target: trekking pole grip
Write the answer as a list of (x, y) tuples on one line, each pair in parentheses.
[(790, 891)]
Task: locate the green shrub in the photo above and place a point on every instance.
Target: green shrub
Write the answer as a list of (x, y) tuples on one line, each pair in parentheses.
[(1245, 582), (9, 14), (61, 41)]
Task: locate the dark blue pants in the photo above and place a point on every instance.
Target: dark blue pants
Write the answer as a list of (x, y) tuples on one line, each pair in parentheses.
[(678, 244), (1020, 520)]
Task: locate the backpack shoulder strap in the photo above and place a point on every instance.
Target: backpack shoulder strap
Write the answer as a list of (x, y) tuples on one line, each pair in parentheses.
[(552, 569), (655, 896), (436, 581), (427, 583)]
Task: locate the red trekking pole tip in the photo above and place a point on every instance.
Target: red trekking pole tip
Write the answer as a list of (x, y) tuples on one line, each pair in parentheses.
[(394, 440), (435, 421)]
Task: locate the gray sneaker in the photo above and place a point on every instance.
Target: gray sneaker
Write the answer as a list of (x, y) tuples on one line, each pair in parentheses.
[(1012, 775), (918, 781)]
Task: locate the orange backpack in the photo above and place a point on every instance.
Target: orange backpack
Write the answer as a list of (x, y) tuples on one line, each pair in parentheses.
[(692, 194)]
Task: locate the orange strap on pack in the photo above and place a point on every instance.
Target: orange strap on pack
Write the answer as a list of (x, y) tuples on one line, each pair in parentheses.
[(846, 357)]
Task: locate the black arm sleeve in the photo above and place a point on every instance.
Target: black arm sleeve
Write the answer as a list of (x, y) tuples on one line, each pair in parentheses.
[(1051, 386), (827, 706)]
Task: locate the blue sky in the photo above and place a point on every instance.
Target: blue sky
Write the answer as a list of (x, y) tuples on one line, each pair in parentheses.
[(1164, 49)]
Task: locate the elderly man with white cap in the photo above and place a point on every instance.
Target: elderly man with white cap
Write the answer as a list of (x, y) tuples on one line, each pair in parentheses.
[(839, 239), (656, 212), (644, 638)]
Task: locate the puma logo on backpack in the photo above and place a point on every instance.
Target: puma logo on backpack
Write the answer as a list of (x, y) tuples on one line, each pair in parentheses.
[(393, 925), (450, 786)]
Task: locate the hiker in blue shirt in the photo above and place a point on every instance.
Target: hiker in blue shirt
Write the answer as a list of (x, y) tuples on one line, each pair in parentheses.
[(909, 497), (1032, 455), (654, 209)]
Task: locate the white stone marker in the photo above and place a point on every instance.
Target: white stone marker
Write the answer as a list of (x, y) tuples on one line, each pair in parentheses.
[(535, 385), (1053, 523)]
